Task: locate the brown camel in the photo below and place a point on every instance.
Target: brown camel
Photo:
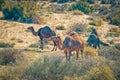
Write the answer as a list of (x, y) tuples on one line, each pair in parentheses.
[(73, 42), (44, 33)]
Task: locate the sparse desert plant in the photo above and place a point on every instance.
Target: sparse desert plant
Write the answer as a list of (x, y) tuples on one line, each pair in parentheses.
[(117, 46), (89, 51), (110, 53), (60, 27), (78, 27), (96, 23), (33, 45), (90, 28), (77, 12), (6, 45), (113, 32), (8, 55), (103, 17), (19, 40)]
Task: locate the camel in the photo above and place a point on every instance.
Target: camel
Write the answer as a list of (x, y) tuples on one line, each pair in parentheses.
[(44, 33), (73, 42), (94, 40)]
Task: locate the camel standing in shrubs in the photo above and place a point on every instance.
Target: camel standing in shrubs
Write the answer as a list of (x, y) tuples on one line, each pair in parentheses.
[(44, 33), (94, 40), (73, 42)]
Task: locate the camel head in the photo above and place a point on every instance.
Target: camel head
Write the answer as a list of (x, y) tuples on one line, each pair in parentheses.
[(58, 41), (32, 30)]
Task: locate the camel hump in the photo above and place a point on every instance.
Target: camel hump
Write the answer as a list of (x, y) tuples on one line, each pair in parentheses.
[(70, 42), (46, 31)]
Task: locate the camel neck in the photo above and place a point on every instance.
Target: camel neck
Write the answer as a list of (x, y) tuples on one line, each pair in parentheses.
[(33, 32)]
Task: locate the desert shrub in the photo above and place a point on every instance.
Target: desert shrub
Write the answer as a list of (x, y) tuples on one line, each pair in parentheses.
[(9, 72), (117, 46), (6, 45), (58, 69), (33, 45), (101, 72), (115, 18), (90, 28), (61, 27), (78, 27), (104, 18), (20, 41), (21, 11), (77, 12), (8, 55), (2, 2), (89, 51), (96, 23), (110, 53), (113, 32), (82, 6), (105, 1)]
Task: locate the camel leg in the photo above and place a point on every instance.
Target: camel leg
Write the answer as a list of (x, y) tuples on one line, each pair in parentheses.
[(69, 55), (77, 54), (55, 45)]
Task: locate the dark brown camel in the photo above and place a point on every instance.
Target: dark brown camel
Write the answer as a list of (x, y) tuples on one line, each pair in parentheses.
[(94, 40), (73, 42), (43, 33)]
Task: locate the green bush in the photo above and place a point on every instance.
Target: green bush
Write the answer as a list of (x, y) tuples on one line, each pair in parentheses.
[(6, 45), (115, 18), (22, 11), (55, 68), (61, 27), (33, 46), (82, 6), (117, 46), (8, 55), (101, 72), (96, 23)]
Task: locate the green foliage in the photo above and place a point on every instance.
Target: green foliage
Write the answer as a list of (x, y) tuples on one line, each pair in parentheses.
[(113, 32), (61, 27), (110, 53), (106, 1), (6, 45), (101, 72), (82, 6), (96, 23), (117, 46), (55, 68), (115, 18), (8, 55), (20, 11), (1, 4), (33, 46)]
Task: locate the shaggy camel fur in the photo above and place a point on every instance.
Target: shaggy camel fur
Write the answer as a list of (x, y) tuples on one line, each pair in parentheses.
[(73, 42), (44, 33)]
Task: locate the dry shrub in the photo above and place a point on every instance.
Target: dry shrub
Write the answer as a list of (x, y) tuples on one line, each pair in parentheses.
[(103, 17), (96, 23), (78, 27), (77, 12), (101, 72), (89, 51), (9, 56)]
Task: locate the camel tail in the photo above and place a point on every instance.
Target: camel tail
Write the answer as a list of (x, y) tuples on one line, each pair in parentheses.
[(104, 44)]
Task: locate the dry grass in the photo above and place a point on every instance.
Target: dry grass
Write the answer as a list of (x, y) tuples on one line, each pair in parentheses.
[(89, 51)]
